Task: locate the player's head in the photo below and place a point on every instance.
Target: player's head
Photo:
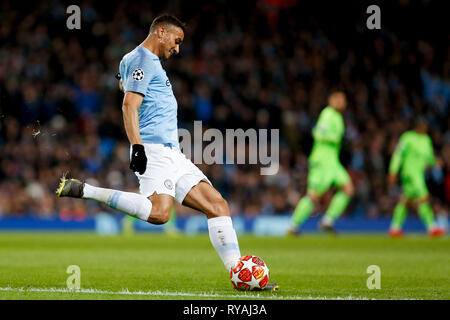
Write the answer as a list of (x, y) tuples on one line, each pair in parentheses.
[(420, 125), (168, 31), (337, 100)]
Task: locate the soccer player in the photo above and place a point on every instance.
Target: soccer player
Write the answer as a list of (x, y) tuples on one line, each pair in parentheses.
[(325, 169), (413, 154), (150, 120)]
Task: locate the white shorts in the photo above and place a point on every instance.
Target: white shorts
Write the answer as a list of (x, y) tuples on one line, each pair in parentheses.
[(169, 172)]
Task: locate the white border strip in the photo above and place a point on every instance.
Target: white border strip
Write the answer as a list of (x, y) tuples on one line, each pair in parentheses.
[(182, 294)]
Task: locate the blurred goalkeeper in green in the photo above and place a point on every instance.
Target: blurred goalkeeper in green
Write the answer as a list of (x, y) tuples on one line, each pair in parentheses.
[(325, 169), (413, 154)]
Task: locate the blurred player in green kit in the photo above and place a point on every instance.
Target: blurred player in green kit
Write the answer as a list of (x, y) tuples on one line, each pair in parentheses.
[(325, 169), (413, 154)]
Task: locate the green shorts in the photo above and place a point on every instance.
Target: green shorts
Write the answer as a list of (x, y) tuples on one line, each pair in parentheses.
[(322, 176), (414, 186)]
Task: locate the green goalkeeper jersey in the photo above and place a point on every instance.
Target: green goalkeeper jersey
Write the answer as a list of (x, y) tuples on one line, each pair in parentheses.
[(412, 155), (327, 134)]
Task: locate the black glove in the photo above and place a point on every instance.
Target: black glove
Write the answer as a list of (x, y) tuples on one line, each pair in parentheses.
[(138, 159)]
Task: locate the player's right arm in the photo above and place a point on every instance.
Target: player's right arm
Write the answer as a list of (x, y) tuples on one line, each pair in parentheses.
[(131, 103), (138, 73), (431, 158), (396, 160)]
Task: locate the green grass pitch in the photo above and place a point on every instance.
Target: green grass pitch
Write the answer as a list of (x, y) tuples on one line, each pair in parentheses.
[(158, 266)]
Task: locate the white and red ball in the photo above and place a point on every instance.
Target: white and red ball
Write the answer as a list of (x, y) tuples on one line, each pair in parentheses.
[(249, 274)]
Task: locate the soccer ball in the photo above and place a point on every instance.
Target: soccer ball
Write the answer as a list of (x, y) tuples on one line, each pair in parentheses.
[(249, 274)]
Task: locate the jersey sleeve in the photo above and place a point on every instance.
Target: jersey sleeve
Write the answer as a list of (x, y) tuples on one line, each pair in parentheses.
[(397, 156), (326, 129), (139, 71)]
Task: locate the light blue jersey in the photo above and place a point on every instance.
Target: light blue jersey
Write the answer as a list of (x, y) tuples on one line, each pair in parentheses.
[(142, 72)]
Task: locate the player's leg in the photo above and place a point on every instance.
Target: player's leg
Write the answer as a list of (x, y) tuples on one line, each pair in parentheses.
[(194, 190), (134, 204), (162, 208), (156, 186), (426, 213), (401, 208), (318, 182), (205, 198), (340, 200), (398, 218)]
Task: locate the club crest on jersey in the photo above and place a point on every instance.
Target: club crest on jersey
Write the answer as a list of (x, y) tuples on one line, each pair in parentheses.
[(169, 184), (138, 74)]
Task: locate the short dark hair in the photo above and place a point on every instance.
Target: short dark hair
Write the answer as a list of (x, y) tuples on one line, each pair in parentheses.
[(167, 19)]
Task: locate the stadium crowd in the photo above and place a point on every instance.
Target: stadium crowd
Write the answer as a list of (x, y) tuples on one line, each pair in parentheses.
[(266, 67)]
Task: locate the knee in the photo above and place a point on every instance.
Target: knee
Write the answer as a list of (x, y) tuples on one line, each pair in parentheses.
[(315, 198), (160, 214)]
